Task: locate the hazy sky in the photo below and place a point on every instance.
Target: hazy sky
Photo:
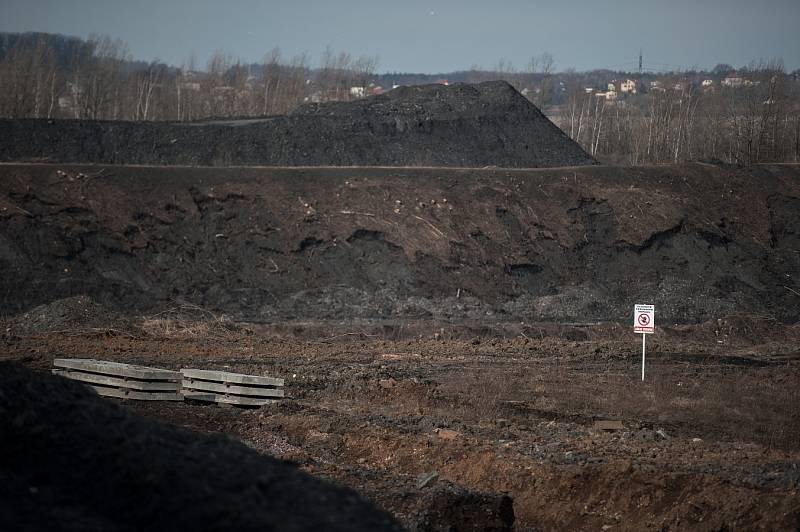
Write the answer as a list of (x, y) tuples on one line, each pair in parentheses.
[(435, 35)]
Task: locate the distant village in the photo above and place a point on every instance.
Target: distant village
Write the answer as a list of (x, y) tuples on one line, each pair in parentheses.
[(616, 89), (607, 85), (558, 85), (549, 91), (613, 90)]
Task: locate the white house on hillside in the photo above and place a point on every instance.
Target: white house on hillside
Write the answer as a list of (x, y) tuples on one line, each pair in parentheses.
[(609, 95), (733, 80), (628, 86)]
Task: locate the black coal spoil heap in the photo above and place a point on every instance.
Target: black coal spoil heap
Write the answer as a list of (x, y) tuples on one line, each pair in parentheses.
[(489, 124), (70, 460)]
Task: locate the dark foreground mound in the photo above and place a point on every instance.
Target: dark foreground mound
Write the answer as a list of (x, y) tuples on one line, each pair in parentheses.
[(78, 313), (698, 241), (433, 125), (72, 461)]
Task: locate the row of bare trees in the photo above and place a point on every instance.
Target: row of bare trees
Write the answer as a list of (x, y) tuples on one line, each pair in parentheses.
[(29, 82), (756, 122), (101, 81)]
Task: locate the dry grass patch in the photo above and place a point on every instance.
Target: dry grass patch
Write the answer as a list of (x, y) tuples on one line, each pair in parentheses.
[(191, 322)]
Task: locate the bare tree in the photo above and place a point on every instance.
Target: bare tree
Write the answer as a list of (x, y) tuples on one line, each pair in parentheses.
[(28, 78), (272, 80), (362, 69), (146, 82), (541, 69), (97, 84)]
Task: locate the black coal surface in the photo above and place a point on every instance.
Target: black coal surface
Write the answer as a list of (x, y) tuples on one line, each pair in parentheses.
[(70, 460), (489, 124)]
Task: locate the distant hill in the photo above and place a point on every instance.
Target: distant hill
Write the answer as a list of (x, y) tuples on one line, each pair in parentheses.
[(65, 47)]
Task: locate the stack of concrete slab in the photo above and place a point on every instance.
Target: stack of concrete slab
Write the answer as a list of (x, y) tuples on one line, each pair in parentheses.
[(125, 381), (230, 388)]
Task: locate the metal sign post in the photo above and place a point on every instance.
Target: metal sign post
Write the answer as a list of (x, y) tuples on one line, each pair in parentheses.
[(644, 323), (644, 337)]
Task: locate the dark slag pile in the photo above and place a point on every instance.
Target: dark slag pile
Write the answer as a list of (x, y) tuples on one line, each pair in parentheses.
[(267, 245), (489, 124), (70, 460), (77, 313)]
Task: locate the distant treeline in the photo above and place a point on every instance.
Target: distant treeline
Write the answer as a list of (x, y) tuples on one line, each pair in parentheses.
[(757, 121), (669, 118), (52, 76)]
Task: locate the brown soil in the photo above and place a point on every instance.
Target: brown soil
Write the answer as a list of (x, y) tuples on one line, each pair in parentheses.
[(711, 439)]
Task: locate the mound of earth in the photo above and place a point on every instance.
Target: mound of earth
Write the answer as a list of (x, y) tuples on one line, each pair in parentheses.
[(473, 511), (71, 313), (432, 125), (73, 461), (268, 244)]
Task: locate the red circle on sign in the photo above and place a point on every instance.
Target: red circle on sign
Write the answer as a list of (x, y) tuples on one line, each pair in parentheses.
[(644, 319)]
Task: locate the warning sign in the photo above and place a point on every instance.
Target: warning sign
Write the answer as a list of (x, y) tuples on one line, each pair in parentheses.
[(644, 319)]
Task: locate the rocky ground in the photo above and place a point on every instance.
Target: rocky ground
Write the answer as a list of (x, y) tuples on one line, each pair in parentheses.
[(409, 416)]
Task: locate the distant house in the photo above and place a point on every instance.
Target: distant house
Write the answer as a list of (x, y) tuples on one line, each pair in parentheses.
[(733, 80), (221, 93), (608, 95), (657, 86), (708, 82), (357, 92), (442, 82), (588, 90), (628, 86), (613, 86)]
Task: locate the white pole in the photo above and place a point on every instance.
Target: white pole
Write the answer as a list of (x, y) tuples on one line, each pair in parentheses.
[(643, 344)]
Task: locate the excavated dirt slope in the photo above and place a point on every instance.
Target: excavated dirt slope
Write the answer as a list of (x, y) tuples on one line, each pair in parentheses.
[(576, 245), (433, 125)]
